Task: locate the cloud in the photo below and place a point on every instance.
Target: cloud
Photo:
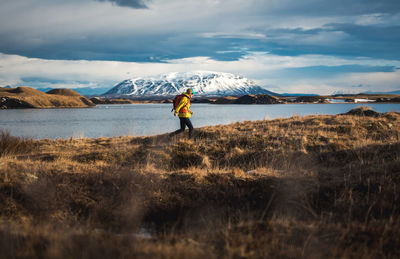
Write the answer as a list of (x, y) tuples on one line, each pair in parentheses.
[(326, 7), (322, 71), (176, 29), (137, 4), (284, 44), (307, 73), (242, 35)]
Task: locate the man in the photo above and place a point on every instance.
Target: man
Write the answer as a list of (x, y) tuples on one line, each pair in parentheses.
[(184, 113)]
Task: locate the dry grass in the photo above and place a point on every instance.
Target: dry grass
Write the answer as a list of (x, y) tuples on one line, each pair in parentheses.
[(303, 187), (10, 145)]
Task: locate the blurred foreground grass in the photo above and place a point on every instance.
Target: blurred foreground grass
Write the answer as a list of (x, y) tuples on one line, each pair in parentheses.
[(303, 187)]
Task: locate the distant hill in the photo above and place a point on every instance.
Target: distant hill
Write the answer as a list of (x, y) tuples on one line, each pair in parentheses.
[(26, 97), (45, 90), (85, 91), (249, 99), (296, 94), (65, 92)]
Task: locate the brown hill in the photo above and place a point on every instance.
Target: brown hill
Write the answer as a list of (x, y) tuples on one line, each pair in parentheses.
[(20, 91), (249, 99), (226, 100), (98, 100), (257, 99), (65, 92), (310, 99), (26, 97)]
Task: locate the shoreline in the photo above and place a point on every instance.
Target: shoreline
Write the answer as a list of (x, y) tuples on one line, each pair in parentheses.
[(136, 127), (218, 104), (29, 98)]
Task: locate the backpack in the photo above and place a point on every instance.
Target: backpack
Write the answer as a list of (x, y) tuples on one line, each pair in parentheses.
[(176, 101)]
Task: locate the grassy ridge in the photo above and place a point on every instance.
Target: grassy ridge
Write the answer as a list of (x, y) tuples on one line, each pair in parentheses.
[(26, 97), (314, 186)]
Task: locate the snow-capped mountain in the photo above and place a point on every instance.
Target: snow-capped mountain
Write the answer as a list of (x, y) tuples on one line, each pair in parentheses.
[(203, 83)]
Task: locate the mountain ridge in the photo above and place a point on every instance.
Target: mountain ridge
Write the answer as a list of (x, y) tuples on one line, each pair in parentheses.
[(204, 83)]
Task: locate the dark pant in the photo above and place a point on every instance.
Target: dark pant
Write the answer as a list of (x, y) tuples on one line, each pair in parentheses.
[(185, 122)]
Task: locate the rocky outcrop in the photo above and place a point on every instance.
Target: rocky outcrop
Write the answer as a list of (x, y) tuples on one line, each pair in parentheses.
[(388, 100), (363, 111), (14, 103)]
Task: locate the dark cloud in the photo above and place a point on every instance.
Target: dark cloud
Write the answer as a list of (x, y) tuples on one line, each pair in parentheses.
[(354, 41), (370, 33), (143, 48), (38, 80), (375, 41), (170, 40), (326, 71), (327, 7), (137, 4)]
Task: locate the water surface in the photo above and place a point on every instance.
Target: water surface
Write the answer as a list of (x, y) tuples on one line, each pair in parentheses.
[(150, 119)]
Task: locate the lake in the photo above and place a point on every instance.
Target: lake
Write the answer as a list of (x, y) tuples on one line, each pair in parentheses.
[(150, 119)]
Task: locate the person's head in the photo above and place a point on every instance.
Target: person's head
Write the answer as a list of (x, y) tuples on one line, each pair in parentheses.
[(190, 92)]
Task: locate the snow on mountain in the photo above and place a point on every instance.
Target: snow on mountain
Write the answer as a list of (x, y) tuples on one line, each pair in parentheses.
[(203, 83), (376, 92)]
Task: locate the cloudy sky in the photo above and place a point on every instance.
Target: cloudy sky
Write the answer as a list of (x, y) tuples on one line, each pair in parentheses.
[(308, 46)]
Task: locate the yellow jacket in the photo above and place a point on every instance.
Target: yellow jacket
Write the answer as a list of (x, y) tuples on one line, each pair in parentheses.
[(184, 107)]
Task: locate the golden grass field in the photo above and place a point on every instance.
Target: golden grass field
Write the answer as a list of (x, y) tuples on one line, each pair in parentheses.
[(26, 97), (303, 187)]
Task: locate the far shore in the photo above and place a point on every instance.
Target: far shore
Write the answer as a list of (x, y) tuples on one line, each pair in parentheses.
[(256, 99), (29, 98)]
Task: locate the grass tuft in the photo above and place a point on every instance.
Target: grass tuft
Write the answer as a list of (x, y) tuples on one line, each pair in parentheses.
[(10, 145)]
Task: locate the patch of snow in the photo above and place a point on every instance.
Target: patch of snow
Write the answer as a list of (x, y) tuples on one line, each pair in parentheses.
[(204, 83), (336, 100), (363, 101)]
